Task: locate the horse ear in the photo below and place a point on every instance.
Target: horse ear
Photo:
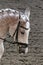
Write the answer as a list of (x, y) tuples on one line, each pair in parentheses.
[(27, 12)]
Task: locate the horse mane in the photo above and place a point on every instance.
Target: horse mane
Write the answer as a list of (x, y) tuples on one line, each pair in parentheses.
[(8, 10), (11, 12)]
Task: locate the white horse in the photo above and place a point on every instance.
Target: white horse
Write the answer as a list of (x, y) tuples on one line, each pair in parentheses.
[(9, 19)]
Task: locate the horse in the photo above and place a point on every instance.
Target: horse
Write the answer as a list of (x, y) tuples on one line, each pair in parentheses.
[(9, 19)]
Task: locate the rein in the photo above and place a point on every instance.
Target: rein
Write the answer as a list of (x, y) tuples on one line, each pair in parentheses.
[(16, 38)]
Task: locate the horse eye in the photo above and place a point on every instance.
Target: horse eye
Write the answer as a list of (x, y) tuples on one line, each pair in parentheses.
[(22, 32)]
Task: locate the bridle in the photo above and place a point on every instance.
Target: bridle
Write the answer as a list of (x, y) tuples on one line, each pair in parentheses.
[(16, 32)]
